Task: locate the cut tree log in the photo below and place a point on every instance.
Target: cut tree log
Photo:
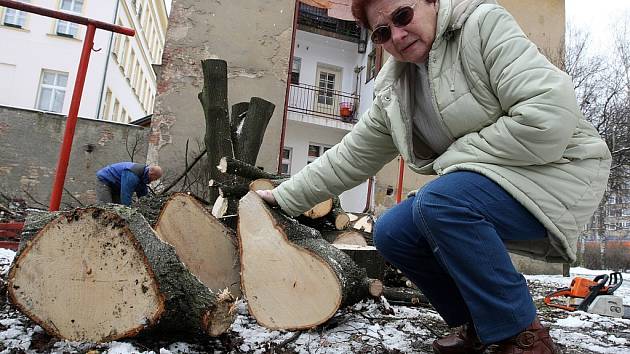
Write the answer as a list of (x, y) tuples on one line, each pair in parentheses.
[(263, 184), (320, 210), (292, 278), (366, 257), (202, 243), (405, 296), (339, 216), (101, 273)]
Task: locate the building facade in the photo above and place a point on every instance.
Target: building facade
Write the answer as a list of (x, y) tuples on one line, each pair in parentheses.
[(332, 80), (39, 58)]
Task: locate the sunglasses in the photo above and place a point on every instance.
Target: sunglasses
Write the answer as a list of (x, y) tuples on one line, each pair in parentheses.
[(400, 18)]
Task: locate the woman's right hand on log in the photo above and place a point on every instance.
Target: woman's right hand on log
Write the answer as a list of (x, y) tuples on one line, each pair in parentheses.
[(268, 197)]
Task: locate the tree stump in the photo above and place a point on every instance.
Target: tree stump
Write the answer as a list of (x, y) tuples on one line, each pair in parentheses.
[(292, 278), (101, 273)]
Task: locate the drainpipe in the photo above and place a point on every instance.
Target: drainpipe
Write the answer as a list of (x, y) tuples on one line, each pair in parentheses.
[(286, 95), (109, 53)]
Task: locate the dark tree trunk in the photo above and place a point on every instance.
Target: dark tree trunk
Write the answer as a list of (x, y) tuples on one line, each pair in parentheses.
[(251, 131), (215, 106)]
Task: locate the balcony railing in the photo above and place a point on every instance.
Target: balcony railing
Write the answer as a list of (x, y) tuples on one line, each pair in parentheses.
[(321, 102), (311, 17)]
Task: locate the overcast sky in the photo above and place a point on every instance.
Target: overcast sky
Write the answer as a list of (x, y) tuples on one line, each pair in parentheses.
[(597, 17)]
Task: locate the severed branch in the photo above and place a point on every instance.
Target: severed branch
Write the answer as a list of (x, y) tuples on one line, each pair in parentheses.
[(239, 168), (179, 178)]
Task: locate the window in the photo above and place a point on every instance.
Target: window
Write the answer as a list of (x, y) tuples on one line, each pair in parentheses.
[(52, 91), (625, 224), (326, 88), (14, 18), (315, 151), (371, 66), (625, 199), (122, 54), (106, 106), (625, 212), (612, 199), (115, 110), (295, 70), (65, 28), (123, 116), (611, 227), (285, 168)]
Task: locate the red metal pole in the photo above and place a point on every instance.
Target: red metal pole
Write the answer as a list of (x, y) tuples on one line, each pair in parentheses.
[(66, 16), (71, 123), (401, 174)]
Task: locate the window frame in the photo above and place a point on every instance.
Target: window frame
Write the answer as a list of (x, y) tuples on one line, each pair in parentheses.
[(286, 161), (72, 28), (54, 89), (322, 148)]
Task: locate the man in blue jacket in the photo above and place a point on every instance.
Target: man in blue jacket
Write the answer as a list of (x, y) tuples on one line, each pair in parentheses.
[(117, 182)]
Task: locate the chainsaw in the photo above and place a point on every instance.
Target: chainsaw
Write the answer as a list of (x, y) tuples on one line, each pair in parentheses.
[(592, 296)]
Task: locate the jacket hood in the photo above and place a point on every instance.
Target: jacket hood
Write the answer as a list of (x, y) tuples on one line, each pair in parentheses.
[(452, 14)]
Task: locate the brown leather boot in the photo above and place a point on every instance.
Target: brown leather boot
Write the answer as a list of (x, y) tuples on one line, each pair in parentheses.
[(534, 339), (464, 341)]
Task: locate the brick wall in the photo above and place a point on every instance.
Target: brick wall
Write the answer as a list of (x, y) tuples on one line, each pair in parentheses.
[(29, 150)]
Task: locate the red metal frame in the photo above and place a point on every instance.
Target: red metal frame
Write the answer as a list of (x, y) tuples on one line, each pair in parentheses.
[(88, 43)]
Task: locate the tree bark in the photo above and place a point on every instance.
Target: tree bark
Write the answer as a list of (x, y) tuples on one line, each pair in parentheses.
[(366, 257), (293, 279), (251, 131), (231, 166), (214, 100), (207, 248), (108, 276)]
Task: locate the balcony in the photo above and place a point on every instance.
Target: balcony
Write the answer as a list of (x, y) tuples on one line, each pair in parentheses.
[(316, 20), (323, 106)]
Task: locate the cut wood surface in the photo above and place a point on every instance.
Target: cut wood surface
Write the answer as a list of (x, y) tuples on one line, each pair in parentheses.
[(262, 184), (292, 278), (320, 210), (220, 207), (101, 273), (364, 223), (201, 242), (353, 217)]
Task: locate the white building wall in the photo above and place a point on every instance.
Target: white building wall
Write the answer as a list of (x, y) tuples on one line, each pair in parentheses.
[(316, 50), (298, 137), (25, 52), (302, 130)]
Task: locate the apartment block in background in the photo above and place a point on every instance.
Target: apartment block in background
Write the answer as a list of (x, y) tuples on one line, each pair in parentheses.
[(39, 58)]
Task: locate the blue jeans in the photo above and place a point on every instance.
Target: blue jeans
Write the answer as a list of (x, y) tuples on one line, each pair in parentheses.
[(448, 240)]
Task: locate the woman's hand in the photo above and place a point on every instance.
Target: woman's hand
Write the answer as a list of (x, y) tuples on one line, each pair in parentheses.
[(268, 197)]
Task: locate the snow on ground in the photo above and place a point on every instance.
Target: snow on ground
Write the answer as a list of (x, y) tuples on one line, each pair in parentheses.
[(367, 327)]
